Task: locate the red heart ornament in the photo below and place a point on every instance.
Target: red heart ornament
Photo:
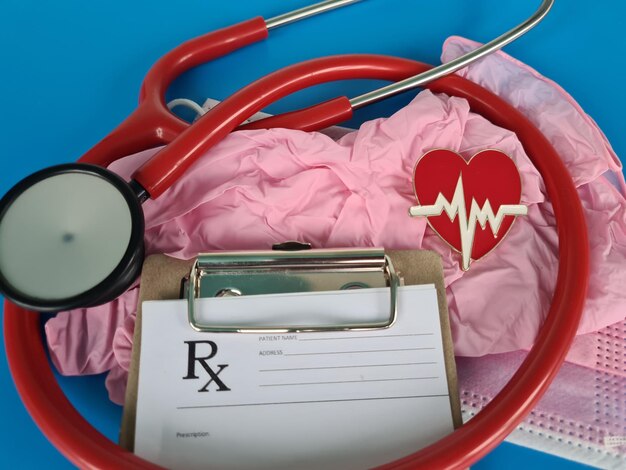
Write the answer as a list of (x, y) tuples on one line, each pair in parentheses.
[(470, 205)]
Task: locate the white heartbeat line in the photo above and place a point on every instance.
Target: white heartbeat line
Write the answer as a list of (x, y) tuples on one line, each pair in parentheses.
[(467, 225)]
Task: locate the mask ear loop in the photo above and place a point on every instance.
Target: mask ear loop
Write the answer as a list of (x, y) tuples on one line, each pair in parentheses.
[(86, 447), (189, 104)]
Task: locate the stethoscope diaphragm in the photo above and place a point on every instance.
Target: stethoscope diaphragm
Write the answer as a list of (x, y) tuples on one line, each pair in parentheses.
[(70, 236)]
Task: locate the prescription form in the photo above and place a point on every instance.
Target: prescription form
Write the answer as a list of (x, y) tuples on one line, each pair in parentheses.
[(294, 400)]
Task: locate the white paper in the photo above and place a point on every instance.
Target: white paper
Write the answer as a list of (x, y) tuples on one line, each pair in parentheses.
[(307, 400)]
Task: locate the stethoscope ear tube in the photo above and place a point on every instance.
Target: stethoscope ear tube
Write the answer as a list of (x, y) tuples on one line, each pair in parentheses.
[(87, 448)]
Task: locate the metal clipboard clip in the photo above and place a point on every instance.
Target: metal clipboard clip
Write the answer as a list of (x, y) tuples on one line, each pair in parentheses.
[(300, 269)]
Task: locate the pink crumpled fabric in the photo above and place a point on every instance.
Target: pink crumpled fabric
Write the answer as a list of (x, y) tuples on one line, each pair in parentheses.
[(256, 188)]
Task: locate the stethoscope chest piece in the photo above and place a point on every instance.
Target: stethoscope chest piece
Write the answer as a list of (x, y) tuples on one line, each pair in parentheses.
[(70, 236)]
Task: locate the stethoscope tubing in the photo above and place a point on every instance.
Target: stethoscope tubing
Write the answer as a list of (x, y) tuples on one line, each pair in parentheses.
[(87, 448), (152, 125)]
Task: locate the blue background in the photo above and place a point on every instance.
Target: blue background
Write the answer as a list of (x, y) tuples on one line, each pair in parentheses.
[(71, 70)]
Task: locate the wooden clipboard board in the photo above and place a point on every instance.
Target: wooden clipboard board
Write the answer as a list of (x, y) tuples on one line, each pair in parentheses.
[(161, 280)]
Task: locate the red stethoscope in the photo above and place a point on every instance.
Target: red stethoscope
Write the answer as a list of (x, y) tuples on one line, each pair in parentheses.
[(51, 259)]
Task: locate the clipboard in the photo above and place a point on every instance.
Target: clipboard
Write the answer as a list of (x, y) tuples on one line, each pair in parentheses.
[(166, 278)]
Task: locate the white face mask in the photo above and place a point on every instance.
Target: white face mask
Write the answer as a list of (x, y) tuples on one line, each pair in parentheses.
[(582, 417)]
